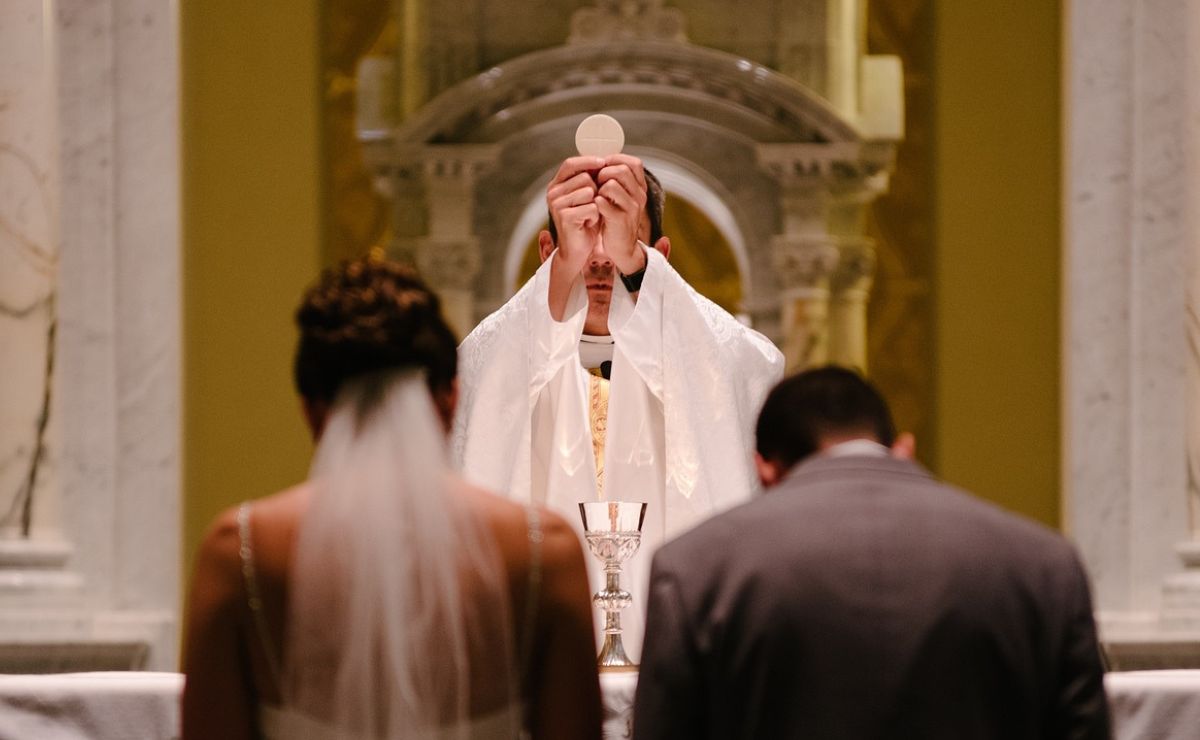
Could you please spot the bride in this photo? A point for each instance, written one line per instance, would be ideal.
(385, 598)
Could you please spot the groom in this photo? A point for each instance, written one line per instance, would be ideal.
(860, 598)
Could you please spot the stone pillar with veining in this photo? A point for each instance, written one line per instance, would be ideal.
(1130, 378)
(1181, 593)
(89, 340)
(449, 255)
(32, 547)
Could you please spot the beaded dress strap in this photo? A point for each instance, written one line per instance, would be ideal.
(536, 537)
(253, 594)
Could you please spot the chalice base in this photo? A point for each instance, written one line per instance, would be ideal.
(612, 655)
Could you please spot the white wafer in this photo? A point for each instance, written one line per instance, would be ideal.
(599, 136)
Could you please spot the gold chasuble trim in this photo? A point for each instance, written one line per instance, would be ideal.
(598, 418)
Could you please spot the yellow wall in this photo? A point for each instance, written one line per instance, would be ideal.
(996, 165)
(251, 243)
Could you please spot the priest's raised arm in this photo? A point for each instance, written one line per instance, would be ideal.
(608, 377)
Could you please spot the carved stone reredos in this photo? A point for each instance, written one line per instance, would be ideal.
(729, 92)
(775, 153)
(627, 20)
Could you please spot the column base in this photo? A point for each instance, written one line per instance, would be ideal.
(47, 624)
(73, 640)
(1152, 651)
(1167, 639)
(33, 575)
(1181, 592)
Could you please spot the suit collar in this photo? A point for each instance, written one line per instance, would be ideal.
(818, 467)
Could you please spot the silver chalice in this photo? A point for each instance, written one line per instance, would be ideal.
(613, 530)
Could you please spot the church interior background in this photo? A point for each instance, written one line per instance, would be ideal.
(979, 203)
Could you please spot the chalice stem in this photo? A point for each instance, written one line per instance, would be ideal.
(612, 652)
(612, 623)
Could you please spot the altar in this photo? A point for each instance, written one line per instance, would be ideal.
(129, 704)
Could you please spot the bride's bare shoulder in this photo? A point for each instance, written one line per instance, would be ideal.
(273, 521)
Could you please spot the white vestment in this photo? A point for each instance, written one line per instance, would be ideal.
(687, 383)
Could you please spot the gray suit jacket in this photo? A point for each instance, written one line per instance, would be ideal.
(862, 599)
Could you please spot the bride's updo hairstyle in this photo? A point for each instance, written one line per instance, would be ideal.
(367, 317)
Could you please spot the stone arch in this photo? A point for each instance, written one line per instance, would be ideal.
(769, 160)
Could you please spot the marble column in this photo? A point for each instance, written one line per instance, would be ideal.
(825, 264)
(1132, 137)
(820, 45)
(846, 34)
(449, 254)
(851, 292)
(1181, 593)
(89, 122)
(32, 548)
(803, 253)
(805, 265)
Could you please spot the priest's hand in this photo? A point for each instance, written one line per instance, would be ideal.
(621, 200)
(571, 199)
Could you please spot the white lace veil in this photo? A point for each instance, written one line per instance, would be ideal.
(399, 622)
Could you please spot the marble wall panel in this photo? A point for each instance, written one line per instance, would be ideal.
(1125, 245)
(28, 263)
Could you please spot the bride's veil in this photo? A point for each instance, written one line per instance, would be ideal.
(399, 623)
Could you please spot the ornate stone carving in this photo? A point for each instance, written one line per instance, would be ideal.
(803, 262)
(849, 160)
(448, 174)
(627, 20)
(450, 264)
(715, 84)
(856, 265)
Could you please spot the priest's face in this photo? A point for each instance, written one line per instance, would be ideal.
(598, 275)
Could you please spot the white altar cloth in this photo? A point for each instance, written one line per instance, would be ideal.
(95, 706)
(1163, 705)
(617, 690)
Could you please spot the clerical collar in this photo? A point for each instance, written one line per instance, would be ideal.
(594, 350)
(861, 447)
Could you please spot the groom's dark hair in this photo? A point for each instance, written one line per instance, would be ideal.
(818, 404)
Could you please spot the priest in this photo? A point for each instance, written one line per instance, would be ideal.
(608, 377)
